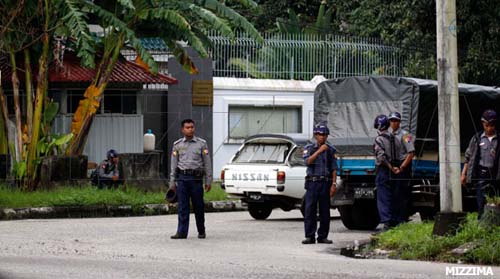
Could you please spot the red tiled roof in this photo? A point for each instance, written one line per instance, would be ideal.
(124, 72)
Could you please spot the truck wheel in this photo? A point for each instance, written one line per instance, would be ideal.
(362, 215)
(259, 211)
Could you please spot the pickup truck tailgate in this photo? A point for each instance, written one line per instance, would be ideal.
(250, 178)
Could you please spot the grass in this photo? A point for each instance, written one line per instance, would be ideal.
(493, 200)
(88, 195)
(414, 241)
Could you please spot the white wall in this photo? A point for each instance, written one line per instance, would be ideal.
(258, 92)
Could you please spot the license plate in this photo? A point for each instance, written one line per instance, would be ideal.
(255, 196)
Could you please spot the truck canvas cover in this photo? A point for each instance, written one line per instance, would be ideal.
(349, 106)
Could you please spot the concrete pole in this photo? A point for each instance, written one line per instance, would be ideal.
(449, 123)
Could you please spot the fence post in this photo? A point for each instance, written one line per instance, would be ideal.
(247, 64)
(291, 68)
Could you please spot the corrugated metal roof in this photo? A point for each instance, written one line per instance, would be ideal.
(124, 72)
(153, 44)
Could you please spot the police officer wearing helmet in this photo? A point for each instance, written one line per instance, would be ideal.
(404, 150)
(320, 185)
(107, 174)
(481, 159)
(383, 150)
(190, 165)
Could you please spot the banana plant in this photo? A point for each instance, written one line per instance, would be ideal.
(172, 20)
(53, 145)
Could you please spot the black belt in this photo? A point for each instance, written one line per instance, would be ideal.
(198, 172)
(481, 168)
(318, 178)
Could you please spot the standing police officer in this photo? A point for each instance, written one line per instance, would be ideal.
(190, 163)
(384, 154)
(481, 158)
(404, 152)
(320, 185)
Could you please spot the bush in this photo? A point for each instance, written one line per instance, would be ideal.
(414, 241)
(89, 195)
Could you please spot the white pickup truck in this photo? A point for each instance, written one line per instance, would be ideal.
(267, 172)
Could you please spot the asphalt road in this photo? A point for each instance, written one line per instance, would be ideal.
(236, 247)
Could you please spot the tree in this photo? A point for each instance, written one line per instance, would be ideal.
(172, 20)
(35, 29)
(27, 29)
(412, 25)
(269, 12)
(287, 61)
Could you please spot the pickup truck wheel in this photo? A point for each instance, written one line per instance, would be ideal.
(362, 215)
(259, 211)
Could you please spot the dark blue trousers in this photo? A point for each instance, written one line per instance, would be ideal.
(385, 197)
(402, 193)
(190, 187)
(484, 180)
(317, 193)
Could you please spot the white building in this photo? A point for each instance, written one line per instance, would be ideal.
(243, 107)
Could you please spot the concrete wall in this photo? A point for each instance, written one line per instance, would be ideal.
(242, 91)
(180, 102)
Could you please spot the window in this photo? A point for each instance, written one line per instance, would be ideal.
(114, 101)
(245, 121)
(297, 157)
(262, 153)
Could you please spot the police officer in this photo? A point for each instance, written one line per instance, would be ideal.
(384, 169)
(320, 185)
(404, 152)
(481, 159)
(190, 164)
(107, 174)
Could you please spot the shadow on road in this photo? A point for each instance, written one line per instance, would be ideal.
(296, 219)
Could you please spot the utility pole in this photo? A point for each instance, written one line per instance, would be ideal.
(449, 122)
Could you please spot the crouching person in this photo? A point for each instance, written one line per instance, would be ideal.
(107, 174)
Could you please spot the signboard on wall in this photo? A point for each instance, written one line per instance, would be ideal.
(203, 92)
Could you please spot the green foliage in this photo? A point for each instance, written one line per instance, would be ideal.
(493, 200)
(412, 25)
(323, 23)
(19, 170)
(74, 24)
(88, 195)
(282, 60)
(46, 145)
(414, 241)
(50, 112)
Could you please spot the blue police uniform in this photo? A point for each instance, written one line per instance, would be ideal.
(383, 149)
(385, 189)
(317, 184)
